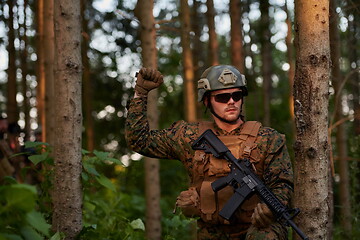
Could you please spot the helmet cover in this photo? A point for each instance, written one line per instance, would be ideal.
(220, 77)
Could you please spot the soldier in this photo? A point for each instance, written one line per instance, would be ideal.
(222, 90)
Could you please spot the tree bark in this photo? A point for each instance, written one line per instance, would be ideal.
(353, 51)
(189, 81)
(24, 72)
(344, 184)
(254, 98)
(354, 56)
(143, 12)
(40, 69)
(198, 52)
(291, 61)
(266, 60)
(213, 42)
(67, 195)
(311, 91)
(12, 109)
(88, 95)
(237, 51)
(49, 60)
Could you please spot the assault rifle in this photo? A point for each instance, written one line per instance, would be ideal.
(245, 183)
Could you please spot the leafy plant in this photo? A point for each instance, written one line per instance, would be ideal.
(19, 218)
(107, 213)
(184, 227)
(110, 210)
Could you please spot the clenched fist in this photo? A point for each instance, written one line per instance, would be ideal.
(262, 216)
(147, 79)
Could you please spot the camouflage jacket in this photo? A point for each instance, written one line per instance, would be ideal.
(175, 143)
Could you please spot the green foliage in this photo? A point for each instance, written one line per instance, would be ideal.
(39, 152)
(19, 218)
(119, 214)
(184, 227)
(107, 212)
(25, 213)
(108, 216)
(114, 210)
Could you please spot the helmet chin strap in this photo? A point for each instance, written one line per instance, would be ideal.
(223, 119)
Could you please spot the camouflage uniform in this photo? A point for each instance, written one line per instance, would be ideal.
(175, 143)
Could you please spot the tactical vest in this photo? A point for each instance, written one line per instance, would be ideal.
(206, 169)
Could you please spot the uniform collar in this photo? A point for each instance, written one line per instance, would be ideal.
(221, 132)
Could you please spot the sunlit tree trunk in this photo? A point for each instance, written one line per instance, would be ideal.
(144, 12)
(213, 42)
(341, 144)
(67, 194)
(237, 52)
(236, 33)
(291, 60)
(88, 96)
(189, 81)
(12, 109)
(40, 69)
(49, 62)
(311, 93)
(197, 50)
(266, 59)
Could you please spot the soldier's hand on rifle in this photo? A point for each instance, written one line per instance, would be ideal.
(262, 216)
(147, 79)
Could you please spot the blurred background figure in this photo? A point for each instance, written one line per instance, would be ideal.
(6, 167)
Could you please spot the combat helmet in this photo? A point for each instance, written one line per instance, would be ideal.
(220, 77)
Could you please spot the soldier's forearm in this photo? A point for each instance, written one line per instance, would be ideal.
(138, 95)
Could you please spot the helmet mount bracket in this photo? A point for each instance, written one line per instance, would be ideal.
(227, 77)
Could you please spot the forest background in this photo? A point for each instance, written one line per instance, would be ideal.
(113, 185)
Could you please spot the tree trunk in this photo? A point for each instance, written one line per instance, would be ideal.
(353, 51)
(254, 99)
(12, 110)
(266, 59)
(189, 81)
(24, 72)
(290, 56)
(197, 51)
(144, 12)
(40, 90)
(49, 60)
(213, 42)
(311, 91)
(67, 195)
(237, 52)
(344, 184)
(88, 96)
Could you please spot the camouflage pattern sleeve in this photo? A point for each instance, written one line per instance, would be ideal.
(168, 143)
(278, 173)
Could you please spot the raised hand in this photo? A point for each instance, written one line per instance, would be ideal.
(147, 79)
